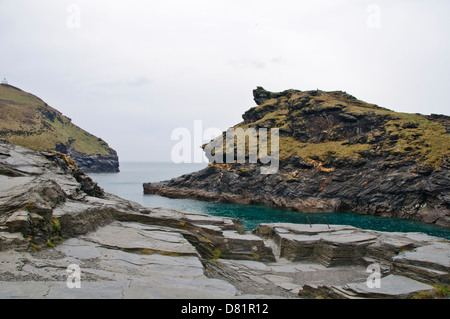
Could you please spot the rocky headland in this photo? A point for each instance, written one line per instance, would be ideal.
(28, 121)
(337, 154)
(53, 216)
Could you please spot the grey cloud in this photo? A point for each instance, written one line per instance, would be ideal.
(164, 63)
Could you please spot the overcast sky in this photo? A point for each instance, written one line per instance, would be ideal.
(131, 72)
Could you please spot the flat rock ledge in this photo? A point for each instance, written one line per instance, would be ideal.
(54, 218)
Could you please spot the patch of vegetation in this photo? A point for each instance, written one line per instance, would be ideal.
(277, 116)
(442, 291)
(217, 254)
(423, 295)
(425, 139)
(205, 239)
(439, 291)
(56, 225)
(50, 243)
(321, 151)
(147, 251)
(69, 161)
(33, 246)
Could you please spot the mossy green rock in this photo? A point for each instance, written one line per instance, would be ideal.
(332, 126)
(337, 154)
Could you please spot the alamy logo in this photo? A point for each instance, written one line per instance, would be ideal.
(235, 146)
(374, 19)
(74, 277)
(374, 279)
(74, 16)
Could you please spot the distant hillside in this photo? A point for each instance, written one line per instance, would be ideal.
(337, 154)
(28, 121)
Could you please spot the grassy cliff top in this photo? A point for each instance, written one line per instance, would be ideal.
(28, 121)
(318, 125)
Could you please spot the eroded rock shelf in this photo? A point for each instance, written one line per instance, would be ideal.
(53, 216)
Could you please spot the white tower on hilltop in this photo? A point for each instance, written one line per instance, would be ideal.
(4, 81)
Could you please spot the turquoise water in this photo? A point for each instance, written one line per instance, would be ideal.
(128, 184)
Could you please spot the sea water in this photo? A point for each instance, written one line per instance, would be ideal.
(128, 185)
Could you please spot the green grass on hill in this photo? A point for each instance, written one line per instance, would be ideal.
(28, 121)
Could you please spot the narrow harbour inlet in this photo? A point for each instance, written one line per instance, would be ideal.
(128, 184)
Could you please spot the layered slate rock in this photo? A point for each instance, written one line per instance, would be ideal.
(430, 263)
(120, 260)
(347, 245)
(342, 245)
(52, 216)
(391, 287)
(409, 263)
(337, 154)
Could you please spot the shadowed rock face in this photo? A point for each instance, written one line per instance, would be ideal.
(95, 163)
(337, 154)
(53, 215)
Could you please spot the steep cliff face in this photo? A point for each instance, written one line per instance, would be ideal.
(28, 121)
(337, 154)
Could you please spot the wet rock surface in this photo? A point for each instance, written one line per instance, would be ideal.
(49, 223)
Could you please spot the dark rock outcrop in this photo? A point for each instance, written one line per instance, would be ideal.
(337, 154)
(95, 163)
